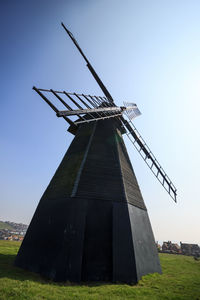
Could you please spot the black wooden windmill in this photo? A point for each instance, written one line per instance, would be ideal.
(91, 223)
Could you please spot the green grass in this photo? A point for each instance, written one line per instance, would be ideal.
(180, 280)
(4, 225)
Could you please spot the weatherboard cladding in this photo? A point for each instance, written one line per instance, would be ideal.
(61, 185)
(107, 173)
(131, 186)
(101, 177)
(96, 166)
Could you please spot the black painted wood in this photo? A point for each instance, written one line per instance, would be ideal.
(98, 231)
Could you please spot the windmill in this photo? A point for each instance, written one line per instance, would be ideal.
(91, 223)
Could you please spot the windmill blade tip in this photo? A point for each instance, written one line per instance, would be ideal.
(63, 25)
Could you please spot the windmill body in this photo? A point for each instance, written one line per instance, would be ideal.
(91, 223)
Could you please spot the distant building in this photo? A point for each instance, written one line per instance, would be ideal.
(190, 249)
(169, 247)
(14, 231)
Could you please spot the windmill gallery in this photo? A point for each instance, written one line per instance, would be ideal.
(93, 204)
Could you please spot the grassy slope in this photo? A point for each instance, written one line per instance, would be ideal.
(5, 226)
(180, 280)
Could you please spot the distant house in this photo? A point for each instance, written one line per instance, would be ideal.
(165, 246)
(190, 249)
(169, 247)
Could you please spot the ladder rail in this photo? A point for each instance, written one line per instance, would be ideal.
(151, 161)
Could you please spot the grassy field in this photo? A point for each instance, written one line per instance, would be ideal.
(180, 280)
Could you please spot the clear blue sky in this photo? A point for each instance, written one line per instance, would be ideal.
(146, 52)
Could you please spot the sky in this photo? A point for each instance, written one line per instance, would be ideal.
(147, 52)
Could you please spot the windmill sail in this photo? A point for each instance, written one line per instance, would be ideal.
(96, 77)
(147, 155)
(90, 108)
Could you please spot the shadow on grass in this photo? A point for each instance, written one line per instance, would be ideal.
(9, 270)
